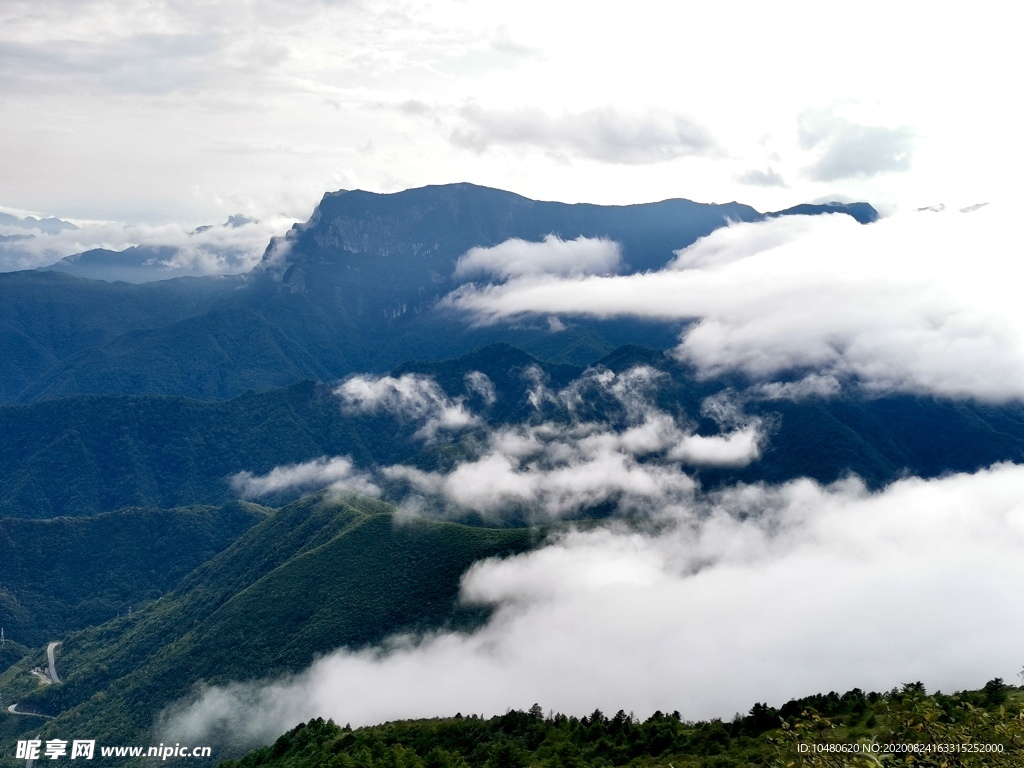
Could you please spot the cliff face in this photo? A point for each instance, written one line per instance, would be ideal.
(409, 242)
(424, 231)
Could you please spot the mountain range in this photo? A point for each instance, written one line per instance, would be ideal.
(134, 414)
(353, 289)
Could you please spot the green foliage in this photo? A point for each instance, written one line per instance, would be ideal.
(519, 739)
(911, 728)
(322, 573)
(68, 573)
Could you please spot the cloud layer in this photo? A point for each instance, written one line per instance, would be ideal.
(606, 134)
(519, 258)
(337, 473)
(414, 397)
(753, 594)
(911, 303)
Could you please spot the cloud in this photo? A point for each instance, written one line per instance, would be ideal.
(518, 258)
(733, 450)
(808, 387)
(479, 384)
(758, 178)
(232, 248)
(414, 397)
(601, 440)
(551, 471)
(849, 150)
(337, 473)
(907, 304)
(758, 593)
(605, 134)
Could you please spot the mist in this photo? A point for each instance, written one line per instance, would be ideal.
(755, 593)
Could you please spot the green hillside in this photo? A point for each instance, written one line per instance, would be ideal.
(48, 317)
(320, 574)
(67, 573)
(802, 734)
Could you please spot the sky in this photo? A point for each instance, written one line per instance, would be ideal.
(178, 112)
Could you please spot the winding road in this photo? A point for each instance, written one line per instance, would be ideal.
(49, 657)
(53, 678)
(13, 709)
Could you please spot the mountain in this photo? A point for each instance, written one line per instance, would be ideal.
(137, 264)
(50, 225)
(83, 455)
(321, 573)
(862, 212)
(49, 319)
(19, 238)
(66, 573)
(353, 289)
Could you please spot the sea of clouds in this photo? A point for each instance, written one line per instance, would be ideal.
(707, 601)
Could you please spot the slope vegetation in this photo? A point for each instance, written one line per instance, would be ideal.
(66, 573)
(321, 573)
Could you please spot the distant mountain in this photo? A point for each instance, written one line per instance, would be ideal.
(353, 289)
(149, 263)
(138, 264)
(862, 212)
(50, 225)
(18, 238)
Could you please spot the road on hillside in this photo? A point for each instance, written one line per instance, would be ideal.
(13, 709)
(49, 657)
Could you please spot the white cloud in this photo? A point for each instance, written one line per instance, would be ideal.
(630, 457)
(754, 594)
(569, 471)
(479, 384)
(736, 449)
(805, 388)
(599, 440)
(910, 303)
(337, 473)
(411, 396)
(758, 178)
(554, 256)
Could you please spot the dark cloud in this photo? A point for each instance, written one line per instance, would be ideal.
(766, 178)
(606, 134)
